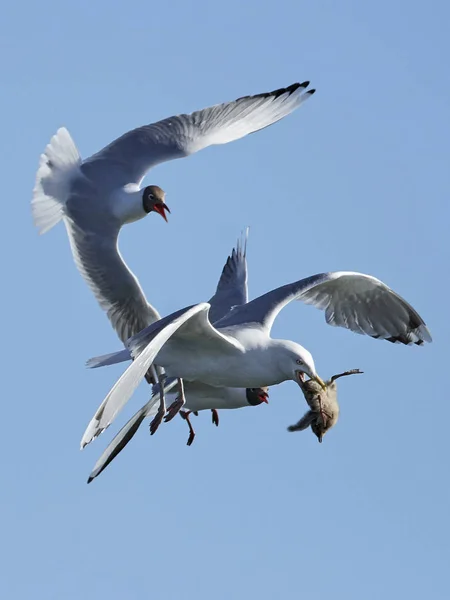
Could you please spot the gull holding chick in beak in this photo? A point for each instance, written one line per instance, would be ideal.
(323, 404)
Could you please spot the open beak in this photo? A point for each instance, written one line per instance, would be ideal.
(300, 379)
(263, 396)
(160, 209)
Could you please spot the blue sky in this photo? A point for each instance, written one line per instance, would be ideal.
(357, 179)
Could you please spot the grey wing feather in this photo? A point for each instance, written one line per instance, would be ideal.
(117, 290)
(354, 301)
(129, 157)
(232, 287)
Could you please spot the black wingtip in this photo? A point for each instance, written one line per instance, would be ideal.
(311, 92)
(290, 89)
(90, 479)
(402, 338)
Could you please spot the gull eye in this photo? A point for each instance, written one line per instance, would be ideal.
(299, 362)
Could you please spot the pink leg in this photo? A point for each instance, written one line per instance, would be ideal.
(185, 415)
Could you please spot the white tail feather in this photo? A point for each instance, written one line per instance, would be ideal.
(57, 167)
(108, 359)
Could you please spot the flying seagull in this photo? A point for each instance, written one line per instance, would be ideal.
(237, 351)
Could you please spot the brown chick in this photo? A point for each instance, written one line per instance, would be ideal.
(324, 407)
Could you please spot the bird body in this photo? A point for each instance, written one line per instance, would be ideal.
(200, 396)
(259, 361)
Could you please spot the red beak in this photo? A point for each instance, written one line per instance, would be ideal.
(160, 209)
(263, 396)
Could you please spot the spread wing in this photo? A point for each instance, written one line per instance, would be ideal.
(355, 301)
(232, 287)
(128, 158)
(115, 287)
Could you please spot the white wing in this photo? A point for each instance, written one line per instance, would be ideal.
(355, 301)
(115, 287)
(128, 158)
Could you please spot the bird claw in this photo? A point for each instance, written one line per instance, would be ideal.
(322, 412)
(215, 417)
(157, 420)
(173, 410)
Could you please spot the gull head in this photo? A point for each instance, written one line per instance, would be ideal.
(256, 396)
(153, 201)
(299, 362)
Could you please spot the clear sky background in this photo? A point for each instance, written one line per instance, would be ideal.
(357, 179)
